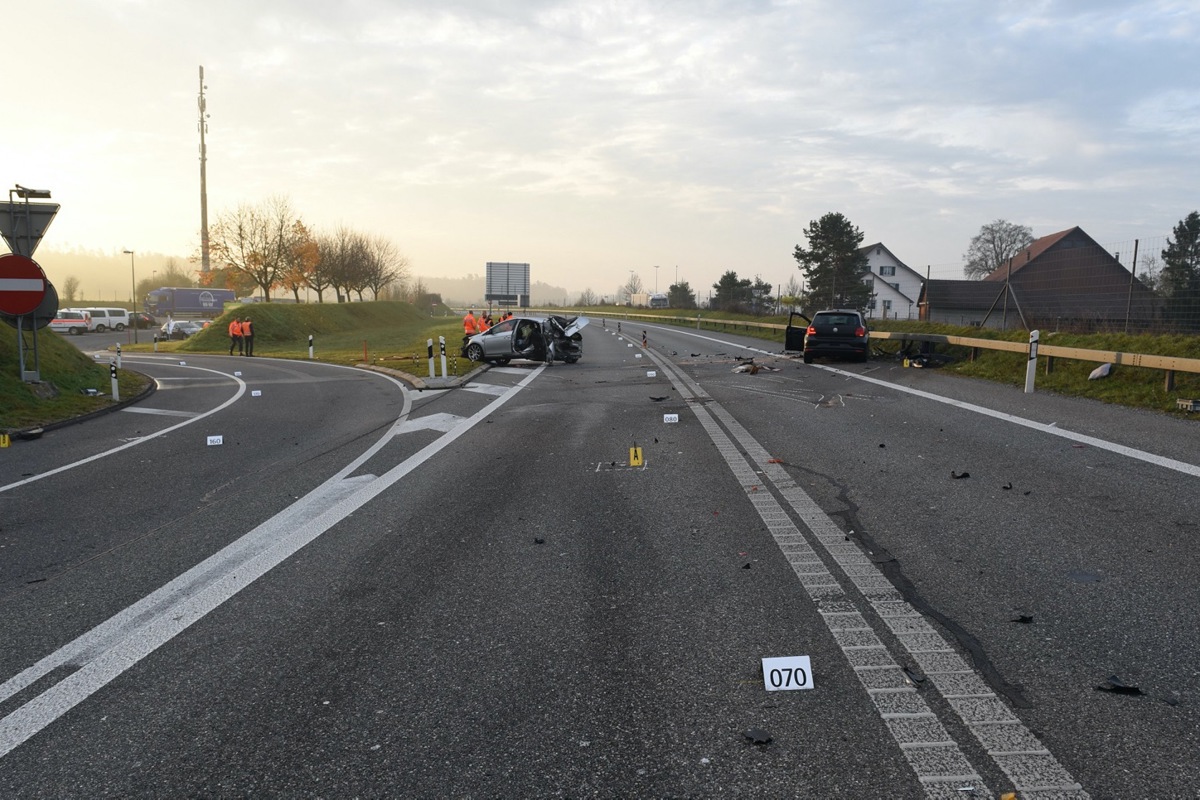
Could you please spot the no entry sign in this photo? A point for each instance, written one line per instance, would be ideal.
(22, 284)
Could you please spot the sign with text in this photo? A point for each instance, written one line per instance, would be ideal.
(787, 673)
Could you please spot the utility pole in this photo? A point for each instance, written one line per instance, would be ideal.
(203, 125)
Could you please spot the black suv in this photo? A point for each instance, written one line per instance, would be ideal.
(840, 333)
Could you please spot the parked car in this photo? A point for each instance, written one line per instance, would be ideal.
(544, 339)
(87, 315)
(837, 333)
(179, 329)
(143, 320)
(72, 322)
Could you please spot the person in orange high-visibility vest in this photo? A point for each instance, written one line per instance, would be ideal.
(235, 336)
(248, 336)
(470, 326)
(483, 323)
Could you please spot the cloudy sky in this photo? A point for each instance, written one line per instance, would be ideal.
(595, 137)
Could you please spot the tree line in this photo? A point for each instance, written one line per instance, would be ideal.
(268, 247)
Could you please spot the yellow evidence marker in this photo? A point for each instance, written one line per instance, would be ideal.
(635, 456)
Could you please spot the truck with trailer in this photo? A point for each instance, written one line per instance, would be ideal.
(174, 301)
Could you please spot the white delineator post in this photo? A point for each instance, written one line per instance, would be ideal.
(310, 346)
(116, 390)
(429, 349)
(118, 355)
(1031, 368)
(442, 347)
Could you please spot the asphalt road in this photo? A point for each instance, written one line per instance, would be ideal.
(365, 590)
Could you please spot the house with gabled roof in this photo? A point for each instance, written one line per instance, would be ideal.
(895, 287)
(1062, 281)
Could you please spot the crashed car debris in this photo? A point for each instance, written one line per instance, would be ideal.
(545, 339)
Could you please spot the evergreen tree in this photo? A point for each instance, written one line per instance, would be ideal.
(833, 265)
(1180, 276)
(680, 295)
(731, 293)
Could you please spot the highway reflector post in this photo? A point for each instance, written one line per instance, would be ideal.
(112, 372)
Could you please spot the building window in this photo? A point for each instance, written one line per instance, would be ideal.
(887, 305)
(887, 270)
(895, 286)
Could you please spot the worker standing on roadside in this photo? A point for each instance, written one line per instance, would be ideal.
(235, 336)
(248, 336)
(470, 327)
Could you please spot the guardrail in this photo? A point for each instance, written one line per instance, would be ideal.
(1168, 364)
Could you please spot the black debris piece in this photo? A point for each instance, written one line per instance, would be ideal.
(659, 399)
(537, 540)
(914, 675)
(958, 476)
(1118, 686)
(757, 736)
(746, 566)
(883, 445)
(1008, 486)
(1171, 699)
(695, 355)
(1023, 619)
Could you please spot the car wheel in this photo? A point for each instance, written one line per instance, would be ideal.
(502, 361)
(119, 327)
(570, 360)
(807, 358)
(76, 331)
(474, 352)
(862, 359)
(99, 329)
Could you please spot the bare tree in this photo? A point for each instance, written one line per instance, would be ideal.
(70, 288)
(630, 288)
(385, 265)
(994, 245)
(587, 298)
(255, 240)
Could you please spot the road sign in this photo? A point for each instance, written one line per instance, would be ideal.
(22, 284)
(42, 316)
(23, 224)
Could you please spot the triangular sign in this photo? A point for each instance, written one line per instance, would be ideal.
(23, 224)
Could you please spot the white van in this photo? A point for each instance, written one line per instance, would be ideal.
(87, 316)
(105, 319)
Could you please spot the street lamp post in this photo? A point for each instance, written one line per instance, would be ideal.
(133, 295)
(656, 278)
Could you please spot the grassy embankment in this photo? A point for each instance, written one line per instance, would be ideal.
(394, 334)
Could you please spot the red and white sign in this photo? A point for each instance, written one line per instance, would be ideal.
(22, 285)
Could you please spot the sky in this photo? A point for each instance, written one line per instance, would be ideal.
(596, 139)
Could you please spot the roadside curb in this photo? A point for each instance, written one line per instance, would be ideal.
(421, 384)
(28, 434)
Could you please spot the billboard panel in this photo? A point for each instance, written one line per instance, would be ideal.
(507, 283)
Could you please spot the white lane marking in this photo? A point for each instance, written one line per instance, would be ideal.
(509, 371)
(122, 641)
(1100, 444)
(432, 422)
(883, 680)
(241, 389)
(134, 442)
(1033, 769)
(485, 388)
(161, 411)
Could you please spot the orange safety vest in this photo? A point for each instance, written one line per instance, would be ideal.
(469, 325)
(235, 328)
(247, 330)
(483, 326)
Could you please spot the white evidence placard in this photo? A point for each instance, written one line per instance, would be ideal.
(212, 440)
(256, 392)
(787, 673)
(670, 418)
(651, 373)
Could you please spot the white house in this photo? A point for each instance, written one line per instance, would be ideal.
(895, 287)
